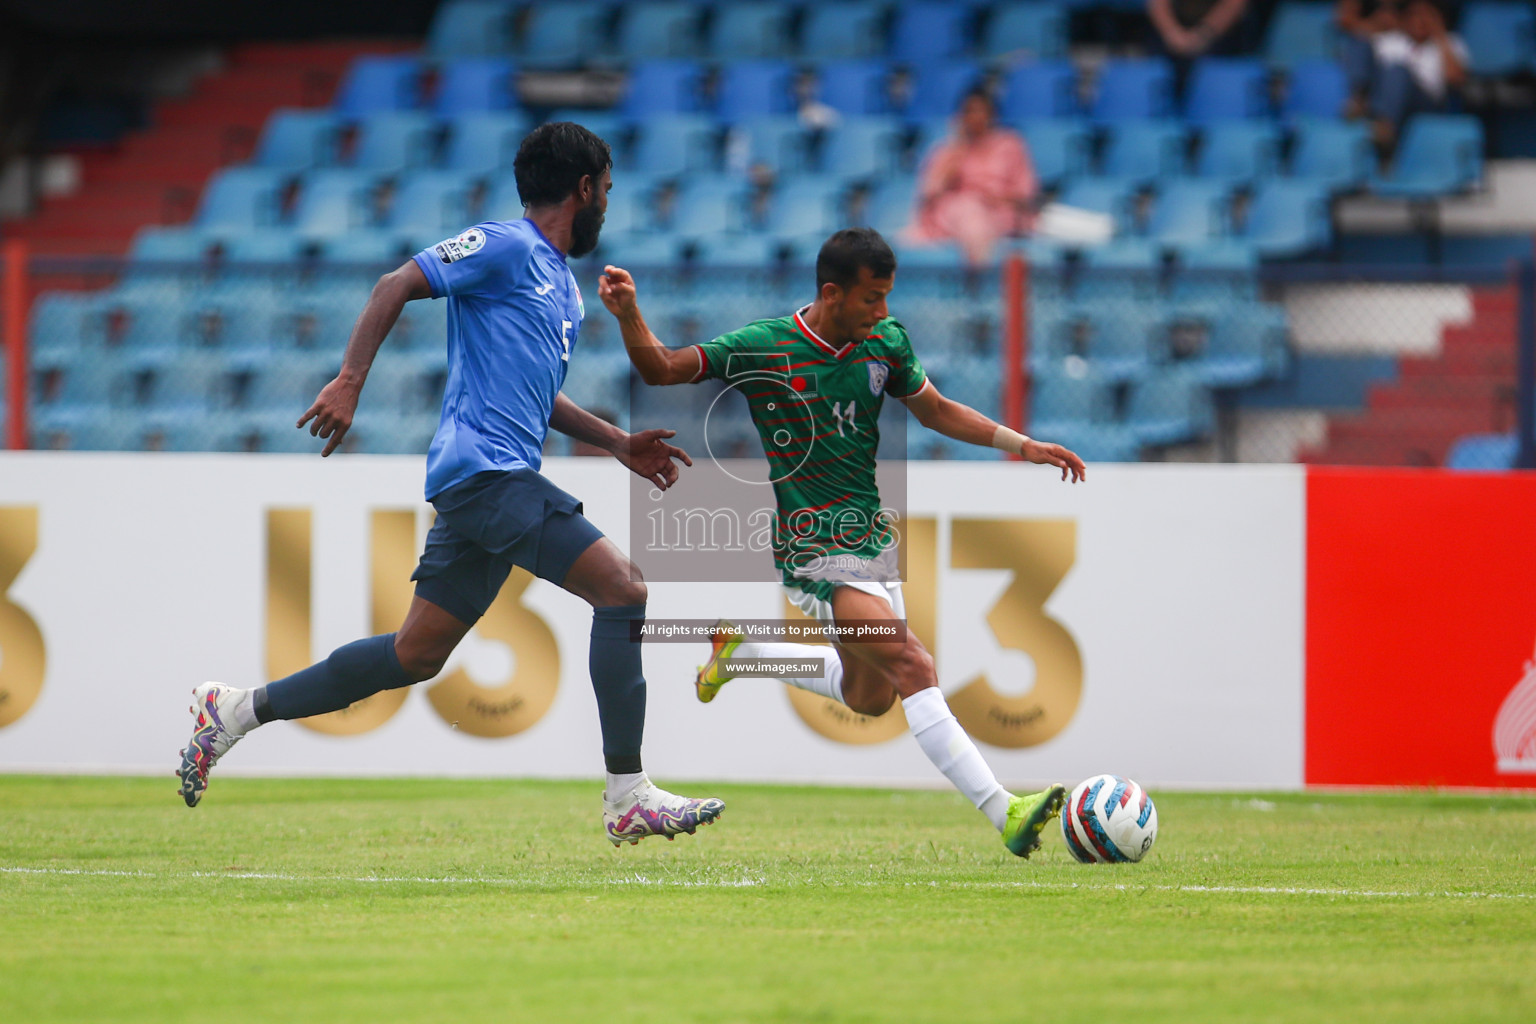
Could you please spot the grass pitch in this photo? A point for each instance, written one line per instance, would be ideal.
(434, 901)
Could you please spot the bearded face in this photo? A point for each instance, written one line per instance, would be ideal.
(585, 227)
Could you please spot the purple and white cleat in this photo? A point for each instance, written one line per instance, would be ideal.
(649, 811)
(212, 736)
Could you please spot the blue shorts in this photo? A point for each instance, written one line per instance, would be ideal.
(488, 524)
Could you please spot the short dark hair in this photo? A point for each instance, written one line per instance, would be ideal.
(553, 158)
(844, 253)
(978, 91)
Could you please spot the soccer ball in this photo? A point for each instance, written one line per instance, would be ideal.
(1108, 819)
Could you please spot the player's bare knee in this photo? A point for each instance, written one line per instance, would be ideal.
(871, 700)
(420, 662)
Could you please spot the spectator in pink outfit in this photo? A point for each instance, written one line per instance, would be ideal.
(977, 185)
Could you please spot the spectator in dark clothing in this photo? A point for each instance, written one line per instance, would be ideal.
(1191, 29)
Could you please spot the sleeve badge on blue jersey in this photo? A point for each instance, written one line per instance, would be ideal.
(467, 244)
(878, 374)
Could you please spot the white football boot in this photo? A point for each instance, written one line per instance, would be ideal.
(648, 810)
(214, 733)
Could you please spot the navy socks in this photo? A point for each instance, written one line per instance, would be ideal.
(360, 669)
(619, 682)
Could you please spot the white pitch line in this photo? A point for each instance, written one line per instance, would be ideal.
(739, 883)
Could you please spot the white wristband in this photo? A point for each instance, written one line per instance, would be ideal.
(1010, 441)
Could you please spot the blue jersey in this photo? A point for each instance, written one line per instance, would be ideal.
(513, 314)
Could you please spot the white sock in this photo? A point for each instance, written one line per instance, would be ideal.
(936, 730)
(242, 713)
(620, 788)
(829, 683)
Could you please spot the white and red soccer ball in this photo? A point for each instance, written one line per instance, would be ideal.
(1109, 819)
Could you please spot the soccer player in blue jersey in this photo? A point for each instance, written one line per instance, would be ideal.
(514, 313)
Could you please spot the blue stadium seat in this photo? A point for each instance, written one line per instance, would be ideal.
(391, 142)
(806, 209)
(379, 83)
(662, 87)
(334, 201)
(1034, 30)
(1039, 90)
(1143, 151)
(890, 205)
(659, 28)
(1059, 401)
(1484, 451)
(484, 143)
(925, 31)
(854, 88)
(561, 35)
(843, 28)
(861, 148)
(750, 31)
(1124, 272)
(1440, 154)
(1316, 88)
(276, 247)
(430, 203)
(1170, 407)
(1124, 342)
(1212, 274)
(672, 145)
(296, 140)
(755, 88)
(1243, 346)
(636, 250)
(1226, 88)
(1337, 155)
(1058, 149)
(709, 204)
(1287, 218)
(1133, 90)
(169, 245)
(1112, 196)
(1239, 152)
(779, 142)
(474, 84)
(1188, 211)
(239, 199)
(471, 28)
(938, 86)
(1300, 32)
(371, 248)
(609, 125)
(755, 252)
(1500, 37)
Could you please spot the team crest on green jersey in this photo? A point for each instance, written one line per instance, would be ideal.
(878, 374)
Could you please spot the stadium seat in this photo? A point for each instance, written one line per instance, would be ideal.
(392, 142)
(938, 86)
(805, 209)
(659, 28)
(430, 203)
(1058, 401)
(754, 30)
(861, 148)
(1316, 88)
(756, 252)
(780, 143)
(854, 88)
(641, 250)
(1226, 89)
(1440, 154)
(609, 125)
(371, 248)
(379, 83)
(471, 28)
(709, 204)
(1337, 155)
(169, 245)
(1142, 151)
(1484, 451)
(843, 28)
(561, 35)
(474, 84)
(1239, 153)
(890, 205)
(1058, 149)
(1170, 407)
(1123, 271)
(755, 88)
(662, 87)
(1300, 32)
(1287, 218)
(296, 140)
(1133, 89)
(671, 145)
(1243, 346)
(1500, 37)
(239, 199)
(1111, 196)
(1210, 276)
(334, 201)
(1188, 211)
(484, 143)
(276, 247)
(1041, 90)
(925, 31)
(1034, 30)
(1125, 341)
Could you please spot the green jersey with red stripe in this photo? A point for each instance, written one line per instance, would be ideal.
(816, 409)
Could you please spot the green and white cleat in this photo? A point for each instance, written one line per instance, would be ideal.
(711, 676)
(1028, 816)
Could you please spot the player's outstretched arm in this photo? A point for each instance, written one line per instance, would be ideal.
(655, 363)
(646, 453)
(961, 422)
(331, 415)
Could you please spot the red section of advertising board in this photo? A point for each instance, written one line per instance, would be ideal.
(1421, 628)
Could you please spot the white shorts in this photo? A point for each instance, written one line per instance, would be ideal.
(821, 611)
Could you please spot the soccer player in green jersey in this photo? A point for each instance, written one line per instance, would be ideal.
(832, 543)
